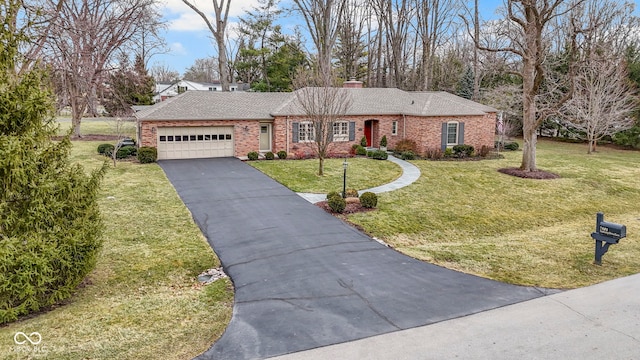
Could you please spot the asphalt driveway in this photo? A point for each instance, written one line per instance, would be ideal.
(303, 278)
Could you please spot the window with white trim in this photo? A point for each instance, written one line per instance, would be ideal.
(341, 131)
(452, 133)
(394, 128)
(306, 133)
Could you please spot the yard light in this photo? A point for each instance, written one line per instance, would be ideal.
(344, 179)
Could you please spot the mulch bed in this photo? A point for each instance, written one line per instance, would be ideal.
(539, 174)
(353, 206)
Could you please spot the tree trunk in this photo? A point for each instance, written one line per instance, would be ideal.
(320, 166)
(222, 63)
(529, 123)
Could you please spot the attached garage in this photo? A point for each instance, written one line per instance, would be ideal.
(195, 142)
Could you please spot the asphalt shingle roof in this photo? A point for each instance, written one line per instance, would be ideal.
(206, 105)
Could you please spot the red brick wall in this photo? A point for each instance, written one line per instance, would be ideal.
(246, 133)
(426, 131)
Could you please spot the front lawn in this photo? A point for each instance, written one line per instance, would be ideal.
(302, 175)
(469, 217)
(142, 300)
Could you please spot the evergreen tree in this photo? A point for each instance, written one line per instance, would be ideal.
(129, 86)
(49, 219)
(465, 85)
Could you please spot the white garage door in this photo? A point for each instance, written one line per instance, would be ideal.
(195, 142)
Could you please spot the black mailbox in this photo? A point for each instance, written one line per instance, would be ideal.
(607, 233)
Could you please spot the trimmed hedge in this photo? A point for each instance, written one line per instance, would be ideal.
(369, 200)
(380, 155)
(126, 151)
(253, 155)
(337, 204)
(282, 154)
(269, 156)
(147, 155)
(105, 149)
(360, 150)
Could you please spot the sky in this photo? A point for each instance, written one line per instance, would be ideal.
(188, 38)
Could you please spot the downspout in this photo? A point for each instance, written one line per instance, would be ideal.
(287, 126)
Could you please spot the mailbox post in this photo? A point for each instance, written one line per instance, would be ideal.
(606, 233)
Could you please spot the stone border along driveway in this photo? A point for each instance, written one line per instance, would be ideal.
(410, 174)
(303, 278)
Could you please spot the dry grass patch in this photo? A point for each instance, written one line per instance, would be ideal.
(142, 301)
(468, 216)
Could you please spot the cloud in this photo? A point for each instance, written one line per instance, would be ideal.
(183, 18)
(178, 49)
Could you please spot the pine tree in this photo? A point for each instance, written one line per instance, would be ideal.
(465, 85)
(49, 219)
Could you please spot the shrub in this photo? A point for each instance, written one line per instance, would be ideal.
(363, 141)
(269, 156)
(383, 141)
(513, 146)
(628, 138)
(370, 153)
(434, 154)
(484, 151)
(380, 155)
(126, 151)
(448, 152)
(369, 200)
(351, 193)
(282, 154)
(333, 194)
(337, 204)
(253, 155)
(105, 148)
(406, 145)
(147, 155)
(354, 147)
(462, 151)
(361, 151)
(408, 155)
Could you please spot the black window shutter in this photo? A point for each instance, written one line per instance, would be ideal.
(461, 133)
(352, 131)
(295, 131)
(444, 136)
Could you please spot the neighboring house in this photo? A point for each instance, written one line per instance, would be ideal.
(201, 124)
(165, 91)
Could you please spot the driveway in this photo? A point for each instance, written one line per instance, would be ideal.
(303, 278)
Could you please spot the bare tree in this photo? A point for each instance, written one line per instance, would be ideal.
(323, 19)
(83, 39)
(603, 100)
(323, 107)
(120, 128)
(202, 70)
(162, 73)
(218, 28)
(526, 27)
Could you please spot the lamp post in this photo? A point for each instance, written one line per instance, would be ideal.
(344, 179)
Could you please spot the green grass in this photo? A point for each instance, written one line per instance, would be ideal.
(97, 126)
(142, 300)
(469, 217)
(301, 175)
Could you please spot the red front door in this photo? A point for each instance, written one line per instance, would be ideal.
(367, 131)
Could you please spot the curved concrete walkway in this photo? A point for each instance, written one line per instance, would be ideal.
(410, 174)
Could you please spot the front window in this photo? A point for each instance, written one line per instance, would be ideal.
(341, 131)
(452, 133)
(306, 132)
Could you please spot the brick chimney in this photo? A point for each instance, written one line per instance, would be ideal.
(352, 84)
